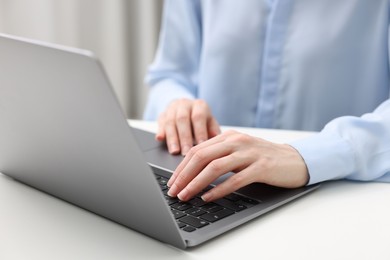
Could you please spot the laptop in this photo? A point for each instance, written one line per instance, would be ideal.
(64, 133)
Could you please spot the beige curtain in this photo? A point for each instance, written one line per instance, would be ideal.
(122, 33)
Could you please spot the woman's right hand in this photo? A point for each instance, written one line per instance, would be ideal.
(184, 123)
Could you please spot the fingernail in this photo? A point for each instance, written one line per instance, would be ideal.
(183, 195)
(172, 192)
(206, 197)
(173, 148)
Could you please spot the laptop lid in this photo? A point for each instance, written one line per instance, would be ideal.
(63, 132)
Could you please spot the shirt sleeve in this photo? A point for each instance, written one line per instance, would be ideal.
(174, 72)
(355, 148)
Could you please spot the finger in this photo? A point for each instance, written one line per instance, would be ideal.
(195, 165)
(200, 131)
(160, 135)
(210, 173)
(213, 127)
(189, 155)
(171, 132)
(199, 115)
(184, 128)
(232, 184)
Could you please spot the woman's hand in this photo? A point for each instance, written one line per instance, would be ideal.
(252, 159)
(184, 123)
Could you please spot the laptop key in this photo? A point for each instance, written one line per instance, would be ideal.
(178, 214)
(171, 200)
(162, 181)
(215, 216)
(230, 205)
(181, 206)
(196, 202)
(180, 224)
(248, 202)
(195, 212)
(233, 197)
(211, 207)
(189, 229)
(194, 222)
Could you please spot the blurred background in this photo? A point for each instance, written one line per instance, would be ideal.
(122, 33)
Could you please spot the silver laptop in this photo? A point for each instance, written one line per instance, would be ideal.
(63, 132)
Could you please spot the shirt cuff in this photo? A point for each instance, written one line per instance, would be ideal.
(327, 156)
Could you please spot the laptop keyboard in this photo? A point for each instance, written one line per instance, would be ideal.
(195, 213)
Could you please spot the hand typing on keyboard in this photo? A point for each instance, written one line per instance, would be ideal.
(252, 159)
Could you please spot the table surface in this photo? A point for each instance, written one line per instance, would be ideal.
(340, 220)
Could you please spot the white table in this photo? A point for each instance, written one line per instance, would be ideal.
(340, 220)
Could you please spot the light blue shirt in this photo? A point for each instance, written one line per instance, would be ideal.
(289, 64)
